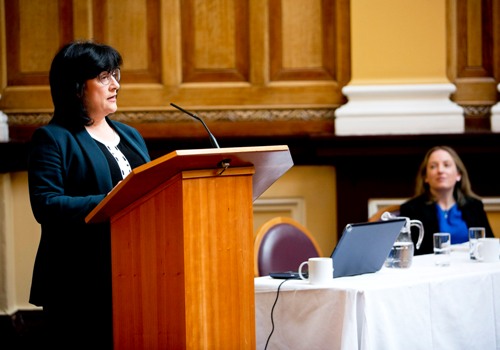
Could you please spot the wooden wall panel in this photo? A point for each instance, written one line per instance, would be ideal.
(215, 40)
(32, 40)
(472, 45)
(304, 40)
(210, 55)
(132, 27)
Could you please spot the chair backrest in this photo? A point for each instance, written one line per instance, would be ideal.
(281, 244)
(393, 209)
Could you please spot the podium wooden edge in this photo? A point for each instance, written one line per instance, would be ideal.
(112, 203)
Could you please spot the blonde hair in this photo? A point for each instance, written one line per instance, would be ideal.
(462, 187)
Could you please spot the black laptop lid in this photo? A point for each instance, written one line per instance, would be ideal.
(363, 247)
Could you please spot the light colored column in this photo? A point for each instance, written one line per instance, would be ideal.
(4, 127)
(495, 115)
(7, 278)
(399, 83)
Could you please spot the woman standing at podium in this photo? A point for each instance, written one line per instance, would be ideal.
(75, 161)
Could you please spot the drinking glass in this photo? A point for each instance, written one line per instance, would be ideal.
(475, 233)
(442, 249)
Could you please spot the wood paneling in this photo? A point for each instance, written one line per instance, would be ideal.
(472, 66)
(306, 40)
(132, 27)
(211, 54)
(32, 39)
(215, 41)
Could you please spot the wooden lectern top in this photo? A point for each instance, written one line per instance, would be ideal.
(270, 163)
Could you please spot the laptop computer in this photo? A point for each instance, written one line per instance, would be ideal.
(362, 248)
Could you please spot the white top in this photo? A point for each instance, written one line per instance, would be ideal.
(112, 147)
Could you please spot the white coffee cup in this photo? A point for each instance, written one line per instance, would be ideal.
(320, 270)
(487, 249)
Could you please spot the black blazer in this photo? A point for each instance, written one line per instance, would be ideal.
(419, 208)
(68, 176)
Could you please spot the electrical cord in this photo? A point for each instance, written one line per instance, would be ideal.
(272, 310)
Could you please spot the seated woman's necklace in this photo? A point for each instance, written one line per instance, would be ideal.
(447, 210)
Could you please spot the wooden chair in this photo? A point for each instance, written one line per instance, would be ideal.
(393, 209)
(281, 244)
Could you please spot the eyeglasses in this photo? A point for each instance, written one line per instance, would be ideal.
(105, 77)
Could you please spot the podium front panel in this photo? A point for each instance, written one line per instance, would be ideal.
(183, 265)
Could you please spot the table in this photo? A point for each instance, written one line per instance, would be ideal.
(422, 307)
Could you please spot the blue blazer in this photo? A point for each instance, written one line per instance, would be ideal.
(68, 176)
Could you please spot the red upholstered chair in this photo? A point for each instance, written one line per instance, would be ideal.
(281, 244)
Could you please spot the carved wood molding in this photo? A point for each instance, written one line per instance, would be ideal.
(223, 123)
(140, 117)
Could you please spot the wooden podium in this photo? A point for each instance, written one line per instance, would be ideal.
(182, 247)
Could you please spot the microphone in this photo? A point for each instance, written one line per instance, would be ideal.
(213, 141)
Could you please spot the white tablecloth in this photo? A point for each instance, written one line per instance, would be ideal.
(423, 307)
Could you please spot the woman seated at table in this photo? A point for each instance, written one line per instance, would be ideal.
(444, 200)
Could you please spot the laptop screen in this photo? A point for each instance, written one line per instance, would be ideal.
(363, 247)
